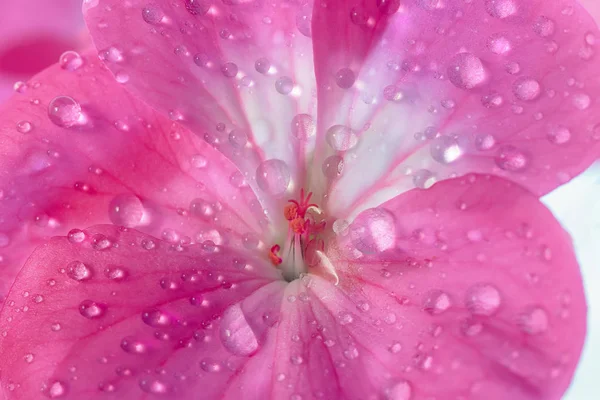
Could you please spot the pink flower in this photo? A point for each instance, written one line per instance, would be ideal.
(258, 233)
(31, 41)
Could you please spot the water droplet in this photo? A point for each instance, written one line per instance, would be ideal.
(210, 365)
(333, 166)
(284, 85)
(543, 26)
(533, 321)
(559, 134)
(485, 142)
(262, 65)
(4, 240)
(133, 346)
(345, 78)
(153, 386)
(273, 177)
(436, 302)
(341, 138)
(373, 231)
(351, 353)
(303, 126)
(236, 334)
(501, 8)
(400, 391)
(238, 138)
(28, 358)
(64, 111)
(509, 158)
(527, 89)
(445, 149)
(423, 179)
(115, 273)
(70, 61)
(126, 210)
(483, 299)
(393, 93)
(466, 71)
(152, 14)
(296, 360)
(388, 7)
(78, 271)
(91, 309)
(202, 209)
(229, 69)
(197, 7)
(304, 22)
(156, 318)
(198, 161)
(24, 126)
(57, 389)
(101, 242)
(499, 44)
(581, 101)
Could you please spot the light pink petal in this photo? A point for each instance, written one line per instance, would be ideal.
(447, 87)
(103, 157)
(131, 323)
(31, 41)
(467, 290)
(235, 72)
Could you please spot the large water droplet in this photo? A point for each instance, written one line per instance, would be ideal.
(399, 391)
(436, 302)
(70, 61)
(126, 209)
(501, 8)
(544, 26)
(152, 14)
(509, 158)
(64, 111)
(284, 85)
(341, 138)
(534, 321)
(262, 65)
(78, 271)
(445, 149)
(202, 209)
(333, 166)
(303, 126)
(156, 318)
(197, 7)
(345, 78)
(57, 390)
(273, 176)
(91, 309)
(236, 334)
(559, 134)
(373, 231)
(466, 71)
(238, 138)
(24, 126)
(527, 89)
(229, 69)
(132, 346)
(304, 22)
(483, 299)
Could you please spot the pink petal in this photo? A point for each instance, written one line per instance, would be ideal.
(471, 284)
(447, 87)
(141, 322)
(237, 73)
(31, 41)
(119, 162)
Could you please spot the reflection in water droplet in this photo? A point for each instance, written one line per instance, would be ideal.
(445, 149)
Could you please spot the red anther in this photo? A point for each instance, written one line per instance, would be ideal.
(290, 211)
(275, 259)
(301, 206)
(298, 225)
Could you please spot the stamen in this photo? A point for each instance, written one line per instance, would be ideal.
(275, 259)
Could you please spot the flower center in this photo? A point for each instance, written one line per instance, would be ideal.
(304, 244)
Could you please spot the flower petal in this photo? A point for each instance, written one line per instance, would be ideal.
(78, 150)
(447, 87)
(472, 284)
(141, 322)
(235, 72)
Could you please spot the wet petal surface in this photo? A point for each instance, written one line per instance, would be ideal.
(78, 150)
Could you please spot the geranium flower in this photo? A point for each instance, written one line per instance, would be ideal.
(32, 41)
(256, 230)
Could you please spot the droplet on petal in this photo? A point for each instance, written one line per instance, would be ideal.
(70, 61)
(152, 14)
(501, 8)
(284, 85)
(78, 271)
(345, 78)
(236, 334)
(373, 231)
(273, 176)
(341, 138)
(333, 166)
(534, 321)
(559, 134)
(229, 69)
(126, 210)
(445, 149)
(303, 126)
(483, 299)
(388, 7)
(57, 390)
(197, 7)
(399, 391)
(64, 111)
(91, 309)
(24, 126)
(466, 71)
(509, 158)
(262, 65)
(436, 302)
(526, 89)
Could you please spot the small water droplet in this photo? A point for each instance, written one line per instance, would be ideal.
(499, 44)
(236, 334)
(133, 346)
(273, 177)
(199, 161)
(296, 360)
(345, 318)
(101, 242)
(210, 365)
(399, 391)
(91, 309)
(156, 318)
(333, 166)
(115, 273)
(229, 69)
(284, 85)
(126, 210)
(345, 78)
(466, 71)
(423, 179)
(304, 22)
(262, 65)
(388, 7)
(78, 271)
(64, 111)
(152, 14)
(445, 149)
(501, 8)
(559, 134)
(153, 386)
(197, 7)
(526, 89)
(436, 302)
(534, 321)
(70, 61)
(341, 138)
(303, 127)
(57, 390)
(483, 299)
(509, 158)
(543, 26)
(238, 138)
(24, 126)
(28, 358)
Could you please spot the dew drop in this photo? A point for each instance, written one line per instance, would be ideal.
(198, 161)
(91, 309)
(126, 210)
(133, 346)
(238, 138)
(345, 78)
(101, 242)
(273, 177)
(499, 44)
(388, 7)
(152, 14)
(423, 179)
(333, 166)
(229, 69)
(304, 22)
(57, 390)
(445, 149)
(78, 271)
(115, 273)
(373, 231)
(210, 365)
(393, 93)
(197, 7)
(303, 127)
(436, 302)
(483, 299)
(559, 134)
(581, 101)
(262, 65)
(284, 85)
(509, 158)
(28, 358)
(70, 61)
(526, 89)
(341, 138)
(544, 26)
(533, 321)
(236, 334)
(501, 8)
(400, 391)
(153, 386)
(484, 142)
(64, 111)
(466, 71)
(202, 209)
(156, 318)
(24, 127)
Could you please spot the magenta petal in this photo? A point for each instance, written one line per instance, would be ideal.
(471, 284)
(142, 322)
(100, 156)
(235, 72)
(448, 87)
